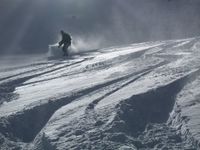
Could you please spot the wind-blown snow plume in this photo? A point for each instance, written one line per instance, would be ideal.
(53, 51)
(85, 44)
(79, 45)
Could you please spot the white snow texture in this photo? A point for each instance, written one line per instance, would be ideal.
(140, 96)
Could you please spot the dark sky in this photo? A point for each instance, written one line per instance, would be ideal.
(29, 26)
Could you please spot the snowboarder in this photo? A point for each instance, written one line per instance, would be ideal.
(66, 42)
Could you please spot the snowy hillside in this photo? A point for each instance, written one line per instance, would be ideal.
(140, 96)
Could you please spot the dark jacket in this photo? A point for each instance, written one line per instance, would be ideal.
(66, 39)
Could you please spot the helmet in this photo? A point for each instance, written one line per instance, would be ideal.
(61, 31)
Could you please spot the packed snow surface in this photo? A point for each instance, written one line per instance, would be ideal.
(139, 96)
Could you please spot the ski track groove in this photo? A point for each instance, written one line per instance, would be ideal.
(26, 130)
(171, 87)
(25, 66)
(62, 102)
(26, 72)
(146, 101)
(52, 106)
(140, 73)
(17, 82)
(38, 69)
(99, 65)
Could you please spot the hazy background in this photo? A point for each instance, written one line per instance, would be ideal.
(29, 26)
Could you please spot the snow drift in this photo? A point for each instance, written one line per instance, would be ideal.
(139, 96)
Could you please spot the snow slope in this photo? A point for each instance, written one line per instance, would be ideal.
(139, 96)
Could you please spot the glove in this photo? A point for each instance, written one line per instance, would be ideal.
(59, 44)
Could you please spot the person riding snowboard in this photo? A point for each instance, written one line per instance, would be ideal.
(66, 42)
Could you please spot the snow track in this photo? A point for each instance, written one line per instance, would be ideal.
(118, 98)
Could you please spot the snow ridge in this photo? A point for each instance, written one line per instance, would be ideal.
(139, 96)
